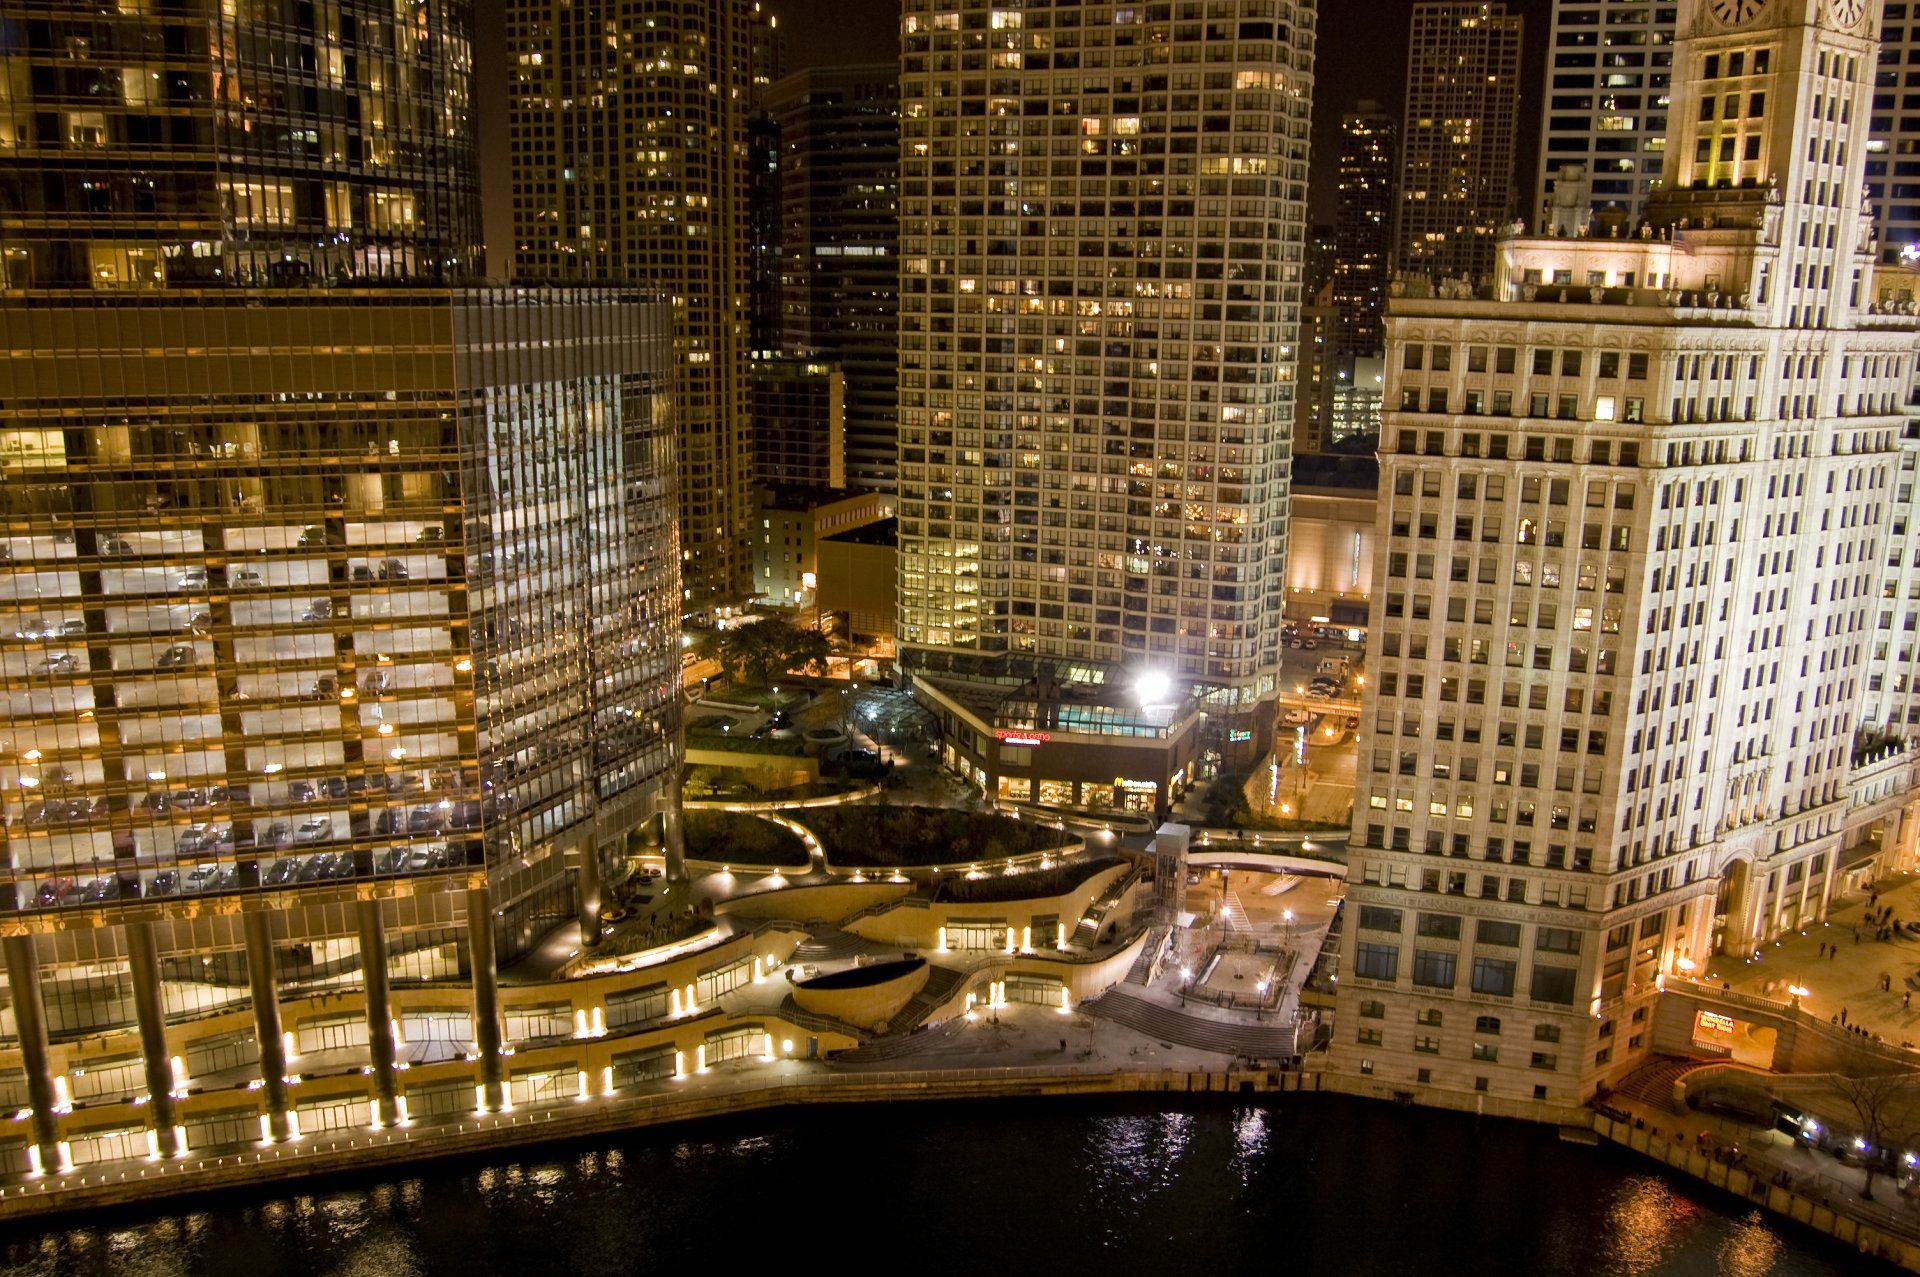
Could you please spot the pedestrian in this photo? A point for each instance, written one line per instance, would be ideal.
(1833, 951)
(1823, 949)
(1886, 982)
(1843, 1017)
(1906, 1000)
(1873, 899)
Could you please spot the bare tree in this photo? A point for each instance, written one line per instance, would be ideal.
(1880, 1092)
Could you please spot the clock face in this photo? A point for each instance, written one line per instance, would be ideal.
(1846, 13)
(1733, 13)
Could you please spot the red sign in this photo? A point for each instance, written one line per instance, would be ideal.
(1013, 737)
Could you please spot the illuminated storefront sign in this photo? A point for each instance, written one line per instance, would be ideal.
(1710, 1028)
(1014, 737)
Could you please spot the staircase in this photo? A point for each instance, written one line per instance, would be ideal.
(1236, 913)
(1172, 1025)
(940, 985)
(1653, 1085)
(1143, 964)
(894, 1046)
(837, 946)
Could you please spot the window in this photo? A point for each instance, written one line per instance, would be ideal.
(1378, 961)
(1486, 1051)
(1556, 940)
(1373, 1010)
(1546, 1033)
(1433, 969)
(1494, 977)
(1553, 984)
(1544, 1060)
(1426, 1044)
(1504, 934)
(1429, 1016)
(1369, 1037)
(1377, 918)
(1440, 926)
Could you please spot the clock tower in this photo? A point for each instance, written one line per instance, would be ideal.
(1768, 128)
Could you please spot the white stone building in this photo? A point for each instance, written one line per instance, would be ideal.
(1635, 500)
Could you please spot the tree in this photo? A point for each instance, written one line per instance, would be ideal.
(764, 649)
(1879, 1091)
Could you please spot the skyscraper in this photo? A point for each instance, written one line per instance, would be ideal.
(1102, 221)
(1608, 73)
(837, 244)
(1363, 230)
(1633, 507)
(632, 164)
(333, 612)
(1457, 143)
(1893, 147)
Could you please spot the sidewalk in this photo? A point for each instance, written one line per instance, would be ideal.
(1841, 965)
(1770, 1155)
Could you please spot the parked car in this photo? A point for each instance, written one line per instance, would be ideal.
(1297, 717)
(175, 658)
(313, 537)
(282, 871)
(192, 838)
(316, 868)
(60, 663)
(165, 883)
(191, 579)
(302, 791)
(279, 834)
(115, 545)
(377, 682)
(200, 878)
(98, 890)
(393, 570)
(324, 688)
(318, 610)
(423, 820)
(245, 579)
(54, 891)
(314, 829)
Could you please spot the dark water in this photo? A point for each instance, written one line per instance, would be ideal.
(1312, 1185)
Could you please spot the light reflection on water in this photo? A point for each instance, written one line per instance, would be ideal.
(1334, 1187)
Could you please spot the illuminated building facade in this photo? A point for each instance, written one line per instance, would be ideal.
(1103, 213)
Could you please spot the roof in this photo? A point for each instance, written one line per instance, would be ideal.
(880, 532)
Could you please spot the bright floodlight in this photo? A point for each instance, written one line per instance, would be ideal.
(1153, 686)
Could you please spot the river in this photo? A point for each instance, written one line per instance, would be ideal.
(1301, 1185)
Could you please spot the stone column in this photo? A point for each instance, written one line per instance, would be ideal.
(373, 970)
(143, 958)
(30, 1025)
(486, 998)
(265, 985)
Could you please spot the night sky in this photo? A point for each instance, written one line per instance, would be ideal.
(1362, 54)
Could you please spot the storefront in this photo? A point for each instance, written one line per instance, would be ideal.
(1081, 748)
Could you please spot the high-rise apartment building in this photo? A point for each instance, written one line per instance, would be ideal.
(1608, 77)
(632, 160)
(1634, 502)
(1893, 147)
(837, 243)
(1102, 218)
(336, 620)
(1363, 229)
(1458, 136)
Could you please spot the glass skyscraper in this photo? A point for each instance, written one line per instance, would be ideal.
(338, 590)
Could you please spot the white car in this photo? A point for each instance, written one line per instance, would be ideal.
(314, 829)
(245, 579)
(1297, 717)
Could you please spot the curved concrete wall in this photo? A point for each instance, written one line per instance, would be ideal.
(870, 1006)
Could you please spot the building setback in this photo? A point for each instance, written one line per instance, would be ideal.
(631, 150)
(1102, 221)
(1462, 115)
(1634, 498)
(337, 595)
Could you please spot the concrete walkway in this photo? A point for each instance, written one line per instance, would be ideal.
(1841, 966)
